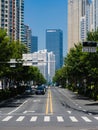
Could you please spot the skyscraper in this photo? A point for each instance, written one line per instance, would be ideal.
(45, 61)
(95, 14)
(12, 18)
(27, 37)
(74, 15)
(85, 19)
(54, 43)
(34, 44)
(82, 17)
(21, 20)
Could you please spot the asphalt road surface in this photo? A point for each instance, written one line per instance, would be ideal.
(55, 110)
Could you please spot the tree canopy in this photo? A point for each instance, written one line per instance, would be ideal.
(80, 70)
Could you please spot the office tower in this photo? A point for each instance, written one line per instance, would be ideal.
(95, 14)
(51, 66)
(27, 37)
(74, 15)
(12, 18)
(42, 59)
(54, 43)
(21, 20)
(34, 44)
(85, 20)
(4, 15)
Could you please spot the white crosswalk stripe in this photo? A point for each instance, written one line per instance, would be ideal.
(73, 119)
(34, 119)
(20, 118)
(46, 118)
(60, 119)
(86, 119)
(96, 118)
(7, 118)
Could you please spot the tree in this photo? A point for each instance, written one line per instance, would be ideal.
(93, 35)
(8, 50)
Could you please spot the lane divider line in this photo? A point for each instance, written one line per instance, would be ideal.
(49, 106)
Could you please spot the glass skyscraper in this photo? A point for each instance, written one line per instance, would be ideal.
(54, 43)
(34, 44)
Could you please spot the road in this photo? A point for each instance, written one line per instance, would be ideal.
(55, 110)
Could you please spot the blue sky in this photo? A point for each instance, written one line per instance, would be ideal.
(46, 14)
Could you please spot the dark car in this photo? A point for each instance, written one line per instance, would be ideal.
(40, 90)
(30, 90)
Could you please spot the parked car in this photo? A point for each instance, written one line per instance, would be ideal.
(40, 90)
(30, 90)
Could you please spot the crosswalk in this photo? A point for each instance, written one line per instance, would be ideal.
(49, 118)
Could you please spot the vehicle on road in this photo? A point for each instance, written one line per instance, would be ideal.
(30, 90)
(40, 90)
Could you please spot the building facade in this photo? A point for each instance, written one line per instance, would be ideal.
(85, 20)
(94, 14)
(54, 43)
(51, 66)
(82, 17)
(74, 15)
(27, 37)
(42, 59)
(12, 18)
(34, 44)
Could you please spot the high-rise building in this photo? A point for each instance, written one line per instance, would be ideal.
(42, 59)
(34, 44)
(21, 20)
(95, 14)
(4, 14)
(74, 15)
(54, 43)
(85, 20)
(12, 18)
(82, 17)
(51, 66)
(27, 37)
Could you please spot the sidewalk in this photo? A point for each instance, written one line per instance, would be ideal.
(87, 104)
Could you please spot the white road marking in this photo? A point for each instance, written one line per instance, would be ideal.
(28, 112)
(36, 100)
(25, 112)
(60, 119)
(46, 119)
(73, 119)
(7, 118)
(84, 110)
(17, 108)
(90, 113)
(69, 112)
(20, 118)
(86, 119)
(33, 119)
(96, 118)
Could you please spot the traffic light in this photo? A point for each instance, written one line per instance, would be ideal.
(90, 44)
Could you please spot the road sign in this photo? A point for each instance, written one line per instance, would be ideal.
(89, 49)
(89, 46)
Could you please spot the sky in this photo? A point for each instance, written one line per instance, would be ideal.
(46, 14)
